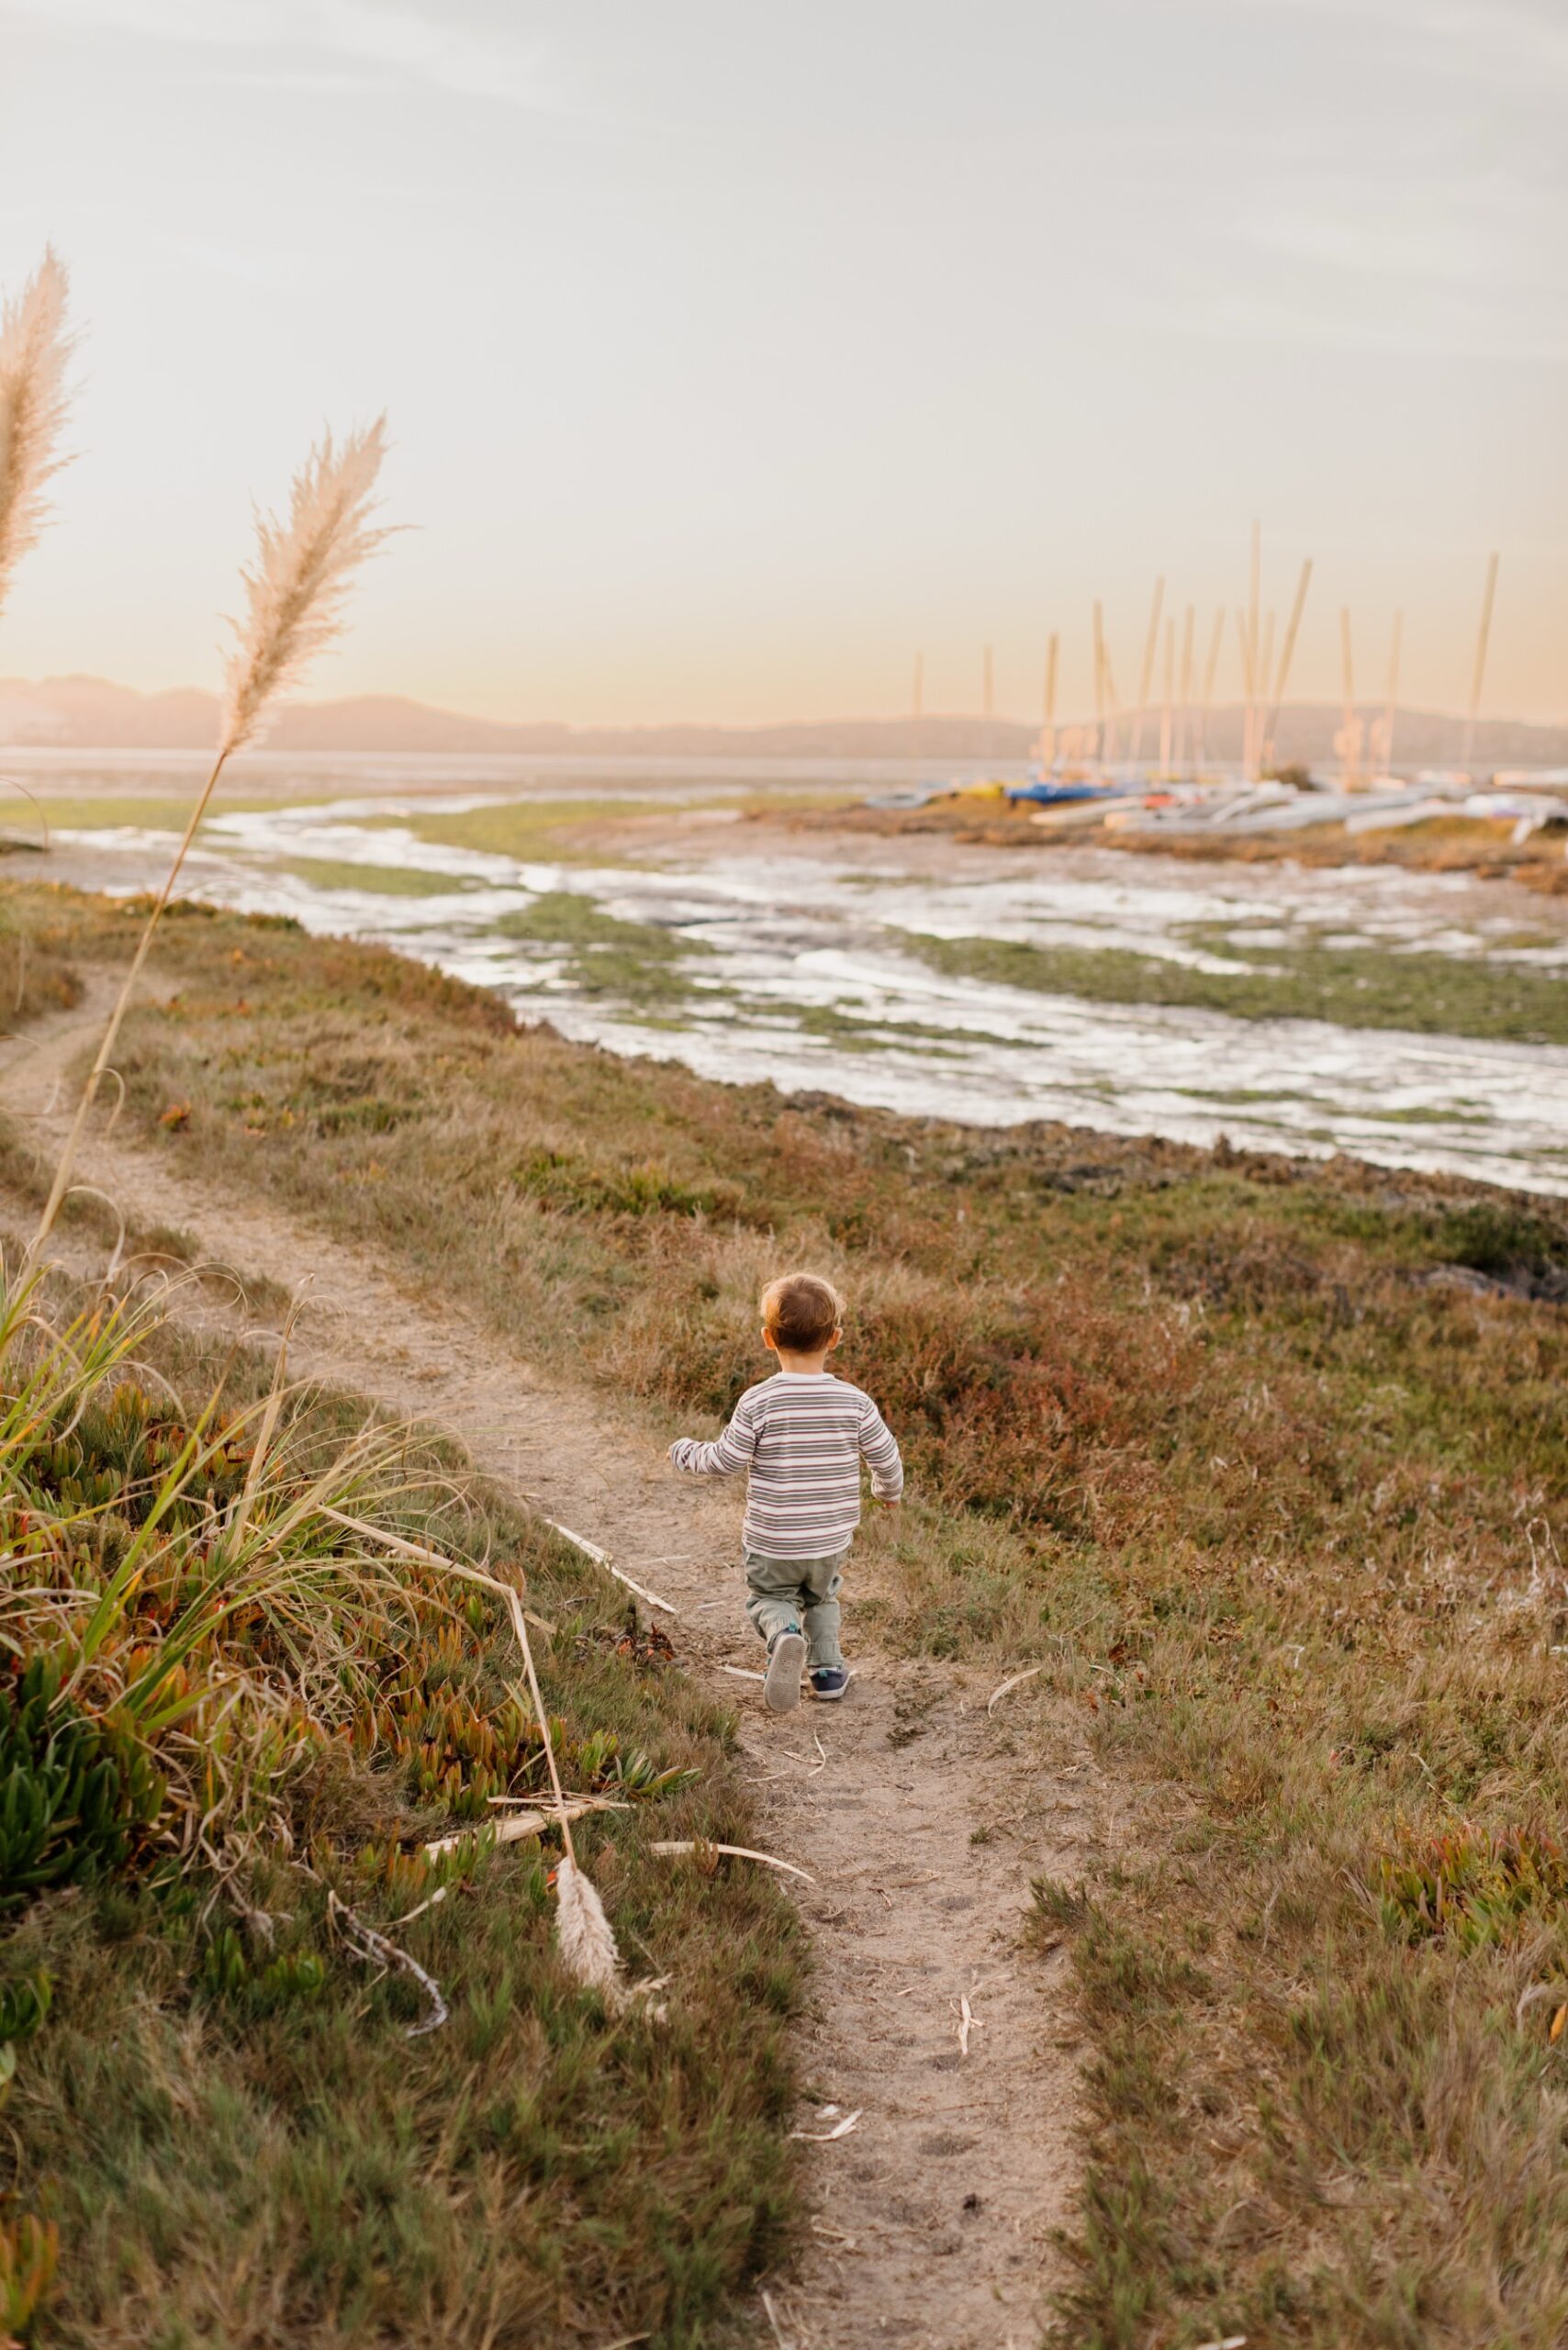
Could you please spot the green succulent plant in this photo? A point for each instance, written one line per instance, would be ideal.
(76, 1790)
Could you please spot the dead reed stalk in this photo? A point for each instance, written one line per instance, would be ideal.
(582, 1931)
(295, 595)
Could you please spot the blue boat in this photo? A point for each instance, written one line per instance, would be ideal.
(1044, 793)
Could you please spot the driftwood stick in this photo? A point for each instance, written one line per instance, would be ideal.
(602, 1559)
(521, 1824)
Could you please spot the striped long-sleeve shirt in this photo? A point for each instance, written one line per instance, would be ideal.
(802, 1435)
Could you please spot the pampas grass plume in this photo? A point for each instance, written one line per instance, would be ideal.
(34, 348)
(583, 1932)
(296, 588)
(295, 594)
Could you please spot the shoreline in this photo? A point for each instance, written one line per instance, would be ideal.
(906, 980)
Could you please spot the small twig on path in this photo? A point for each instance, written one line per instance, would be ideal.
(1016, 1681)
(773, 2321)
(602, 1559)
(735, 1852)
(835, 2235)
(967, 2020)
(825, 2137)
(742, 1673)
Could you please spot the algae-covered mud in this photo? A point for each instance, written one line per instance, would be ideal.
(1412, 1019)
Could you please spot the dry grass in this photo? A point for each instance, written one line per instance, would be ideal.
(244, 1691)
(298, 588)
(1251, 1456)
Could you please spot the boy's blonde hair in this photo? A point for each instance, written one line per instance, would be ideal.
(800, 1313)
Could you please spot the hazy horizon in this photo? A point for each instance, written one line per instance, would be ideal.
(1067, 718)
(733, 360)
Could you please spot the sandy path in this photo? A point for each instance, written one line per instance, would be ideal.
(934, 2214)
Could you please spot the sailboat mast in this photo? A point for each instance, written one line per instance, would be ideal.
(1351, 747)
(1114, 708)
(1254, 687)
(1389, 705)
(1250, 703)
(1480, 644)
(1210, 671)
(1048, 730)
(1288, 648)
(1145, 674)
(1263, 748)
(1183, 727)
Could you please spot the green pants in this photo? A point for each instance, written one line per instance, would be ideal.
(797, 1595)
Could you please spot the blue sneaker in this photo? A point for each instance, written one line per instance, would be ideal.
(781, 1683)
(830, 1680)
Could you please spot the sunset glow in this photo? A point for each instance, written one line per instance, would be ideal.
(734, 357)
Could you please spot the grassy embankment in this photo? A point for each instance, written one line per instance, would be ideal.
(223, 1709)
(1254, 1459)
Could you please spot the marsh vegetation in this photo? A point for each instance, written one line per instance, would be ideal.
(1261, 1463)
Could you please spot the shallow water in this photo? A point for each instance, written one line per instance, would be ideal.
(790, 930)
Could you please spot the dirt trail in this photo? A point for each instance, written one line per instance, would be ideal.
(933, 2216)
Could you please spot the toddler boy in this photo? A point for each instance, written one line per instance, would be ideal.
(802, 1437)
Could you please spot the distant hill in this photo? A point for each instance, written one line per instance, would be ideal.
(92, 714)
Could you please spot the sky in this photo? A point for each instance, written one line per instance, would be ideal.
(735, 354)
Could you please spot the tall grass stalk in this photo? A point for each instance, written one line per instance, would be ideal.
(584, 1933)
(34, 348)
(295, 594)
